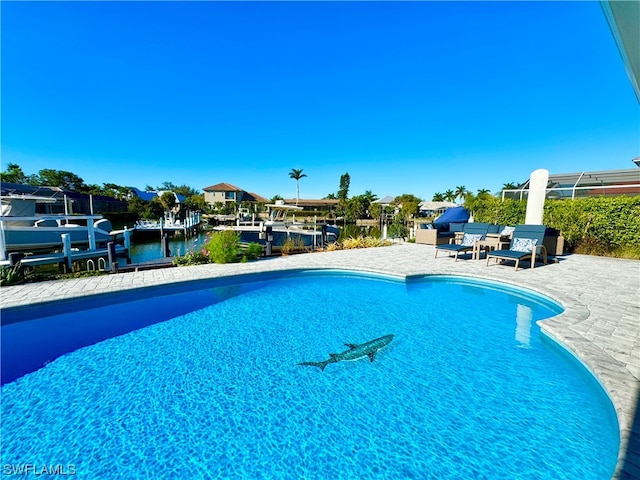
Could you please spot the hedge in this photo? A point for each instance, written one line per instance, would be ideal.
(611, 220)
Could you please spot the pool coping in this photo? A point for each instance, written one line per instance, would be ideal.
(595, 326)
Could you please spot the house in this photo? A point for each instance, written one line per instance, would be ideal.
(149, 195)
(434, 209)
(224, 193)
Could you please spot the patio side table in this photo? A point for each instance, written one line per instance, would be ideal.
(493, 241)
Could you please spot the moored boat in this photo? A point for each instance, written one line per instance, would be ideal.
(278, 229)
(22, 230)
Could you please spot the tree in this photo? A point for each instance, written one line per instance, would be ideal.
(483, 192)
(14, 174)
(370, 196)
(438, 197)
(183, 190)
(146, 210)
(196, 203)
(62, 179)
(168, 200)
(408, 205)
(358, 206)
(297, 174)
(461, 192)
(449, 195)
(343, 191)
(375, 210)
(115, 191)
(510, 186)
(168, 186)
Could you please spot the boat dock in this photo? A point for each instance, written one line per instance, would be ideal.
(97, 258)
(170, 224)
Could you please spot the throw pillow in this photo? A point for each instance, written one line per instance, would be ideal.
(507, 231)
(523, 244)
(468, 239)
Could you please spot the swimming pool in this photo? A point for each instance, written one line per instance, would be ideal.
(468, 388)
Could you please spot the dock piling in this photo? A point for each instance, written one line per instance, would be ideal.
(165, 246)
(66, 250)
(111, 255)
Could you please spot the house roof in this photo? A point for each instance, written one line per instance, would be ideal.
(436, 205)
(143, 195)
(147, 196)
(254, 197)
(222, 187)
(385, 200)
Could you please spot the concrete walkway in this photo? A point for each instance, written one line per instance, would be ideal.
(600, 324)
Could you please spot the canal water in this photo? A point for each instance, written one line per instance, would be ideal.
(149, 248)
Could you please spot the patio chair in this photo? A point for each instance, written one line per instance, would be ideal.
(526, 243)
(472, 232)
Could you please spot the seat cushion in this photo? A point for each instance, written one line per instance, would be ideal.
(468, 239)
(507, 231)
(523, 244)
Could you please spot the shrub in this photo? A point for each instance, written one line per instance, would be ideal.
(10, 275)
(253, 251)
(292, 244)
(592, 225)
(398, 230)
(349, 243)
(223, 247)
(349, 230)
(361, 242)
(494, 210)
(192, 258)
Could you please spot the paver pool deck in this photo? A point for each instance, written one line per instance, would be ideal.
(600, 324)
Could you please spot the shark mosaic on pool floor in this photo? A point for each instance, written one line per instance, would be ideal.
(600, 324)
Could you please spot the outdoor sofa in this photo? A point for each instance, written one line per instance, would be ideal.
(437, 233)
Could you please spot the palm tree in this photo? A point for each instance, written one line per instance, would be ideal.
(509, 186)
(461, 192)
(297, 174)
(483, 192)
(449, 195)
(438, 197)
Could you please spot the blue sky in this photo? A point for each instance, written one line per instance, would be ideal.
(407, 97)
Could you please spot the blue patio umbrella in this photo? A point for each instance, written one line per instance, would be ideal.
(453, 215)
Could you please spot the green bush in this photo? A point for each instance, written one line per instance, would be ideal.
(349, 230)
(223, 247)
(253, 251)
(594, 223)
(398, 230)
(614, 221)
(10, 275)
(494, 210)
(191, 258)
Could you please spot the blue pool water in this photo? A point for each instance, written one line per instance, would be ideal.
(468, 388)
